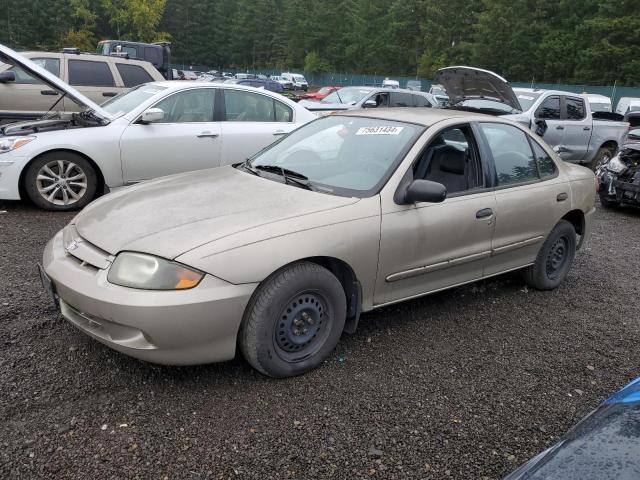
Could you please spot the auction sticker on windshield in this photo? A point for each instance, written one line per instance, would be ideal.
(382, 130)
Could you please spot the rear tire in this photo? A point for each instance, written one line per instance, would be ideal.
(60, 181)
(602, 157)
(554, 258)
(293, 321)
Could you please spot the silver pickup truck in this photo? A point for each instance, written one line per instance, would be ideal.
(563, 119)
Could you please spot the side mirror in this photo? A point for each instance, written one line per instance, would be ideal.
(7, 77)
(541, 127)
(369, 104)
(425, 191)
(152, 115)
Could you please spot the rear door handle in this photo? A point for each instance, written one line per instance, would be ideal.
(586, 128)
(48, 92)
(559, 127)
(562, 197)
(279, 132)
(109, 94)
(484, 213)
(207, 135)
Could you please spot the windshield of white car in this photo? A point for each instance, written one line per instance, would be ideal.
(341, 155)
(526, 100)
(347, 95)
(299, 78)
(127, 101)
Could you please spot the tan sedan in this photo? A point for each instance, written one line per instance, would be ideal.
(281, 254)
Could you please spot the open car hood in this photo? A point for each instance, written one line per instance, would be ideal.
(469, 83)
(12, 58)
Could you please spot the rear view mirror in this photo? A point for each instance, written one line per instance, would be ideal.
(7, 77)
(369, 104)
(541, 127)
(152, 115)
(425, 191)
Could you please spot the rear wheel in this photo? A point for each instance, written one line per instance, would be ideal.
(294, 321)
(60, 181)
(602, 157)
(554, 258)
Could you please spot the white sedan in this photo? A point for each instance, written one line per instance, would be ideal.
(155, 129)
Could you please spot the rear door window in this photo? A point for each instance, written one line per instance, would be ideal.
(242, 106)
(420, 101)
(575, 108)
(549, 108)
(90, 74)
(401, 99)
(512, 155)
(133, 75)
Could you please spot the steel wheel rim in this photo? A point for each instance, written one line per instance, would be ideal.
(61, 182)
(557, 257)
(302, 326)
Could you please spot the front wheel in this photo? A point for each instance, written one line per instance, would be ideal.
(294, 320)
(60, 181)
(554, 258)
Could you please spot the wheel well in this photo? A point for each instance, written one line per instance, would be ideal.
(576, 218)
(101, 184)
(610, 145)
(350, 284)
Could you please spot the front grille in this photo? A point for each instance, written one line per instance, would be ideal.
(85, 252)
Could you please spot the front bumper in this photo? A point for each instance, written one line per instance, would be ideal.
(185, 327)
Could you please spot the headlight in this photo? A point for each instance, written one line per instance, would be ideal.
(615, 165)
(138, 270)
(11, 143)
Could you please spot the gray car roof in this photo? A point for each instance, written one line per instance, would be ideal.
(421, 116)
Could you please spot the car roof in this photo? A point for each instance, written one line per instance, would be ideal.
(85, 56)
(176, 85)
(420, 116)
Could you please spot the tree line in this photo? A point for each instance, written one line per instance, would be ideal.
(568, 41)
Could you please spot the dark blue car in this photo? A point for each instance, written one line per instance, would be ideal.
(265, 83)
(605, 445)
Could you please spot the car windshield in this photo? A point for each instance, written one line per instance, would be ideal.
(487, 104)
(341, 155)
(438, 91)
(324, 90)
(299, 78)
(127, 101)
(347, 95)
(527, 99)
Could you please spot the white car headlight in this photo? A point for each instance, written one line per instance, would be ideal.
(11, 143)
(148, 272)
(615, 165)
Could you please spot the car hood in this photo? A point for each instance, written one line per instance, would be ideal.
(467, 83)
(10, 57)
(172, 215)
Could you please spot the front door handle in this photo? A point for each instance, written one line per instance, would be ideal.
(279, 132)
(586, 129)
(484, 213)
(207, 135)
(559, 127)
(48, 92)
(562, 197)
(109, 94)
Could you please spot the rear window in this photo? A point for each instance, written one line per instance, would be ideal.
(90, 74)
(133, 75)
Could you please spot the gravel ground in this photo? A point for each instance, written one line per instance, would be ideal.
(465, 384)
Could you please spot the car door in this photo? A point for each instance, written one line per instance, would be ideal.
(549, 110)
(27, 96)
(577, 130)
(425, 247)
(93, 78)
(187, 138)
(252, 121)
(530, 195)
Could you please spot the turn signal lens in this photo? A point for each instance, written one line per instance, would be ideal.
(187, 279)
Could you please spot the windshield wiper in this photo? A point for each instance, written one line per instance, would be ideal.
(289, 176)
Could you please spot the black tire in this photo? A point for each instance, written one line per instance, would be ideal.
(603, 156)
(554, 258)
(63, 184)
(293, 321)
(607, 202)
